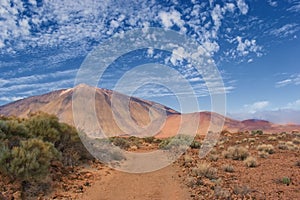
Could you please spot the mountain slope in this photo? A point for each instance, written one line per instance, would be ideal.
(113, 119)
(59, 103)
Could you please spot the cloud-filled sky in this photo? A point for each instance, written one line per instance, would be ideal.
(255, 46)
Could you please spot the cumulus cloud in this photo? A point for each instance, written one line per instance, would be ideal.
(61, 31)
(244, 47)
(242, 6)
(169, 19)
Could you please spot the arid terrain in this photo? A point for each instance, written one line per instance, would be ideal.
(253, 159)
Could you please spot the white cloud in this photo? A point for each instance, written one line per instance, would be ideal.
(273, 3)
(293, 79)
(242, 6)
(9, 99)
(286, 30)
(244, 47)
(294, 105)
(217, 16)
(256, 106)
(169, 19)
(295, 7)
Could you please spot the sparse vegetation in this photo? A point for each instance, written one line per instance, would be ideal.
(176, 142)
(263, 154)
(286, 180)
(228, 168)
(195, 145)
(266, 148)
(205, 170)
(221, 193)
(272, 138)
(29, 146)
(236, 153)
(251, 162)
(257, 132)
(28, 162)
(213, 157)
(289, 145)
(241, 190)
(296, 141)
(123, 143)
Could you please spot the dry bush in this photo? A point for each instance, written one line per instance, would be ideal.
(213, 157)
(296, 141)
(251, 162)
(287, 146)
(205, 170)
(245, 140)
(282, 145)
(228, 168)
(241, 190)
(263, 154)
(236, 153)
(187, 160)
(221, 193)
(267, 148)
(272, 138)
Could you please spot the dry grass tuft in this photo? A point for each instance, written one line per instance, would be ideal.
(251, 162)
(236, 153)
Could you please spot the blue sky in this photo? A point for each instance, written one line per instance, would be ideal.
(254, 44)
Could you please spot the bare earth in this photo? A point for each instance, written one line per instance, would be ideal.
(162, 184)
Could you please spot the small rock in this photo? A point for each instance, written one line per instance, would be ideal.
(88, 175)
(57, 164)
(87, 184)
(17, 195)
(134, 147)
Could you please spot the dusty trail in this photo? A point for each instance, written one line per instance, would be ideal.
(159, 185)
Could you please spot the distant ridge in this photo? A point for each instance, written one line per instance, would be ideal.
(59, 103)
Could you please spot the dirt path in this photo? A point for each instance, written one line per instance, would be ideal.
(159, 185)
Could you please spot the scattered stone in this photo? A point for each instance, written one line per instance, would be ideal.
(17, 195)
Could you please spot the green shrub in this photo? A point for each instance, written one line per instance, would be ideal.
(286, 180)
(13, 128)
(45, 127)
(257, 132)
(121, 142)
(30, 161)
(176, 141)
(149, 139)
(195, 145)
